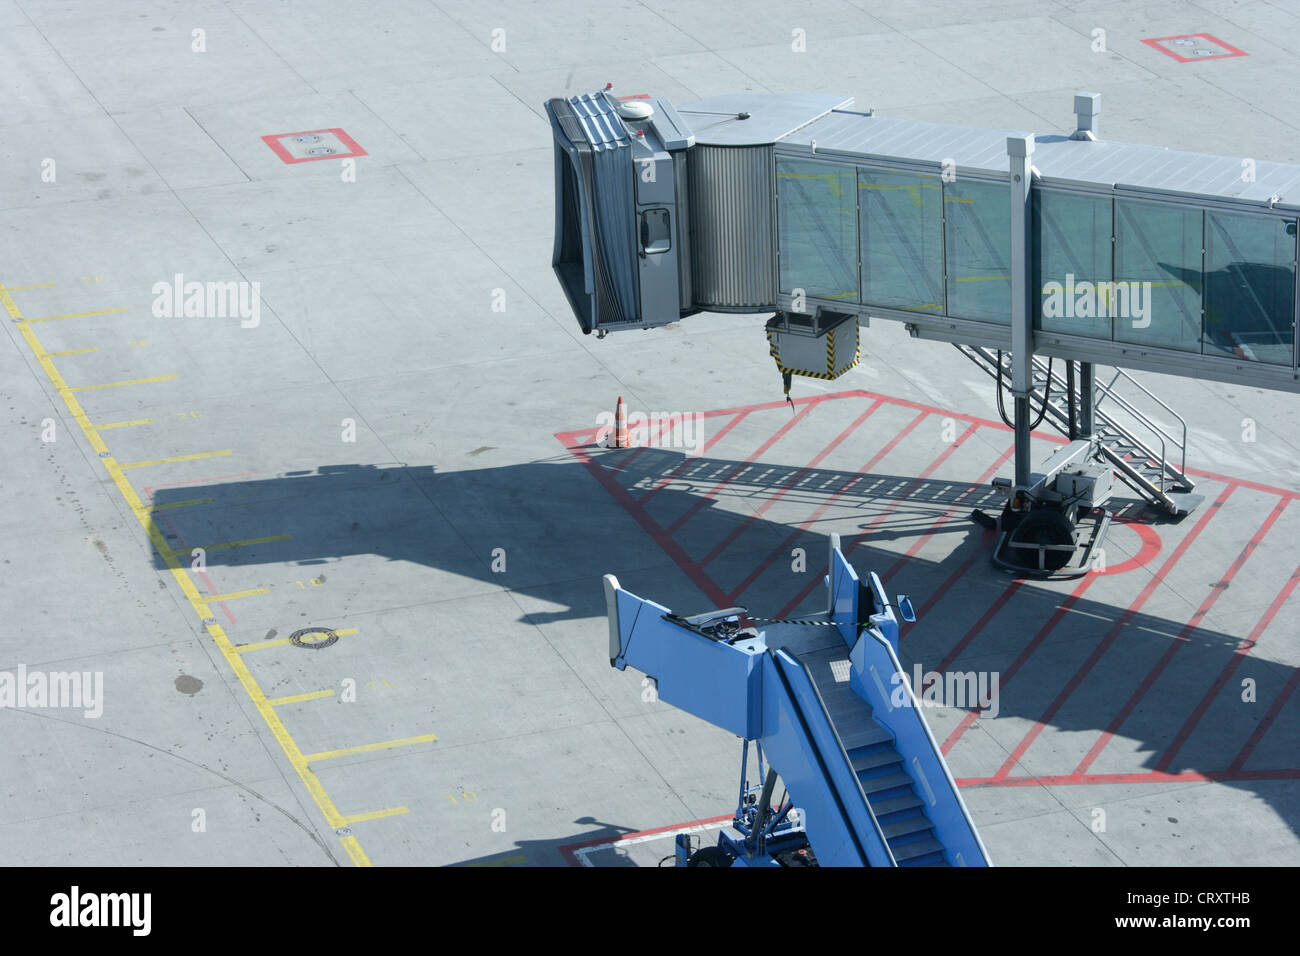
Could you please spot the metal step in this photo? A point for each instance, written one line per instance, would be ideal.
(911, 851)
(1149, 473)
(883, 808)
(907, 826)
(886, 783)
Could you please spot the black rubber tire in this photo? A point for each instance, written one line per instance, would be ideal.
(710, 856)
(1044, 526)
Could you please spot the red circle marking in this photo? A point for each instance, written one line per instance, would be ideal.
(1151, 545)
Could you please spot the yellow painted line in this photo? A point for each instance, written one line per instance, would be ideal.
(72, 352)
(182, 504)
(77, 315)
(333, 818)
(283, 641)
(133, 381)
(227, 545)
(232, 595)
(357, 854)
(375, 815)
(371, 748)
(167, 461)
(10, 305)
(138, 421)
(24, 288)
(982, 278)
(503, 861)
(300, 698)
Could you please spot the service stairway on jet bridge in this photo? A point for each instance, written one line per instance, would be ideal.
(1141, 451)
(831, 708)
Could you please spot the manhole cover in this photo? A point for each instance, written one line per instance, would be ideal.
(300, 637)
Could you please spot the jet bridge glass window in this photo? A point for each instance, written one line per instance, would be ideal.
(1250, 264)
(818, 228)
(978, 245)
(901, 225)
(1158, 275)
(1072, 263)
(656, 234)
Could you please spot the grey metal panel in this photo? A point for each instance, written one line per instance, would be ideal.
(715, 121)
(733, 227)
(668, 123)
(1099, 164)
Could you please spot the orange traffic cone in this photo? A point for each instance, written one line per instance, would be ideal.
(620, 425)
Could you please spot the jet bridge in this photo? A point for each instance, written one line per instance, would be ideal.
(1021, 250)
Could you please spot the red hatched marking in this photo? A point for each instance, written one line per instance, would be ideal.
(1149, 548)
(1233, 663)
(821, 510)
(704, 499)
(1116, 629)
(792, 481)
(1180, 641)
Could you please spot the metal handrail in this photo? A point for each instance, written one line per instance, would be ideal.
(1126, 405)
(1155, 398)
(1138, 416)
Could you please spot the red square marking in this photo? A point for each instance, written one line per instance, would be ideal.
(313, 144)
(1194, 46)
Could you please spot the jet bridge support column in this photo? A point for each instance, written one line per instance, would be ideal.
(1019, 150)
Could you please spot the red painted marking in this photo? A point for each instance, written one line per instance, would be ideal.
(657, 534)
(569, 850)
(685, 462)
(703, 500)
(273, 141)
(790, 538)
(1263, 727)
(790, 483)
(1148, 776)
(1111, 635)
(1238, 656)
(920, 542)
(979, 625)
(1062, 609)
(1151, 545)
(148, 489)
(1156, 44)
(1180, 640)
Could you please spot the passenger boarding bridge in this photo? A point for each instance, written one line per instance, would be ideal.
(1018, 249)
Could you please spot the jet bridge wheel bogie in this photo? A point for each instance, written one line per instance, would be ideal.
(1042, 541)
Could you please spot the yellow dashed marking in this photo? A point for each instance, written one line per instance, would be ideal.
(233, 595)
(370, 748)
(77, 315)
(375, 815)
(167, 461)
(300, 698)
(133, 381)
(283, 641)
(333, 818)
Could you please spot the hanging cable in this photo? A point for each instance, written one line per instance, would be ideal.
(1047, 394)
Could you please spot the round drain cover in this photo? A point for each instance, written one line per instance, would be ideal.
(298, 638)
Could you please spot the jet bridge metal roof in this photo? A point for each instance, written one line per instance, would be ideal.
(802, 124)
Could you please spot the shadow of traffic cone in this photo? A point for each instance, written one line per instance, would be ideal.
(620, 425)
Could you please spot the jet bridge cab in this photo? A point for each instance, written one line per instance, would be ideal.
(622, 236)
